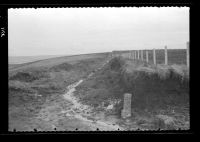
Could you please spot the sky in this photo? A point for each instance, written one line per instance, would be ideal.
(70, 31)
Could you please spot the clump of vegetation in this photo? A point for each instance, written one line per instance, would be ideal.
(164, 122)
(29, 75)
(24, 76)
(117, 64)
(103, 86)
(63, 66)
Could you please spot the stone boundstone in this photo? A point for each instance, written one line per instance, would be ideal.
(126, 112)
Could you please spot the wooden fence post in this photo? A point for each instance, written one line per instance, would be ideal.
(147, 56)
(142, 55)
(135, 54)
(154, 56)
(131, 54)
(188, 55)
(166, 57)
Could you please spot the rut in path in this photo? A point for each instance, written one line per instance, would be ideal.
(81, 111)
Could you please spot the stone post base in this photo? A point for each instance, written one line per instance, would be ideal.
(125, 114)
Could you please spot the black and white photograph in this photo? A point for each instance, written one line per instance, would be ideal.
(98, 69)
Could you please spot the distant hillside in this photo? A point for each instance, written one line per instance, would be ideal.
(53, 61)
(26, 59)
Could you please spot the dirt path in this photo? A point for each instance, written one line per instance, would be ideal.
(84, 118)
(81, 111)
(64, 112)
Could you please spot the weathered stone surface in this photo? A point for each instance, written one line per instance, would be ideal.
(126, 112)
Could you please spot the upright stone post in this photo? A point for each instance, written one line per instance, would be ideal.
(154, 56)
(188, 55)
(142, 55)
(166, 57)
(126, 112)
(147, 56)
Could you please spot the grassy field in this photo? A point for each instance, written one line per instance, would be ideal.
(38, 85)
(47, 63)
(160, 94)
(27, 59)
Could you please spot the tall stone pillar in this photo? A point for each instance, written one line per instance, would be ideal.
(126, 112)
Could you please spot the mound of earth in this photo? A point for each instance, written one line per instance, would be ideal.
(152, 94)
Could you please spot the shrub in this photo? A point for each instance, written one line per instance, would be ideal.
(64, 66)
(23, 76)
(116, 63)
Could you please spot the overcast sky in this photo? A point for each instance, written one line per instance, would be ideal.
(55, 31)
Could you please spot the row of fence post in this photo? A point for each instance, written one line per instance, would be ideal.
(188, 55)
(139, 53)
